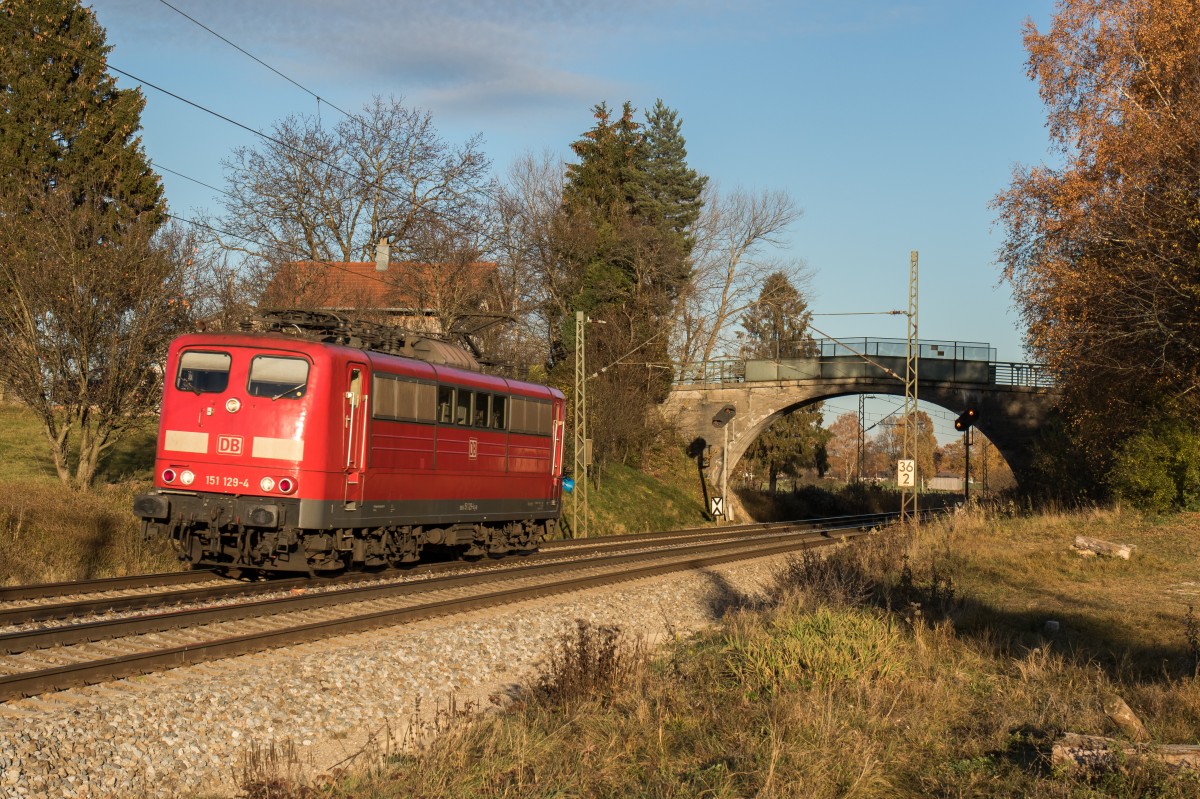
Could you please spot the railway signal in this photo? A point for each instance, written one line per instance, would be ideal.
(963, 424)
(720, 420)
(722, 417)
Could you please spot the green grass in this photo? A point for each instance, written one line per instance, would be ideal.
(26, 453)
(23, 442)
(664, 496)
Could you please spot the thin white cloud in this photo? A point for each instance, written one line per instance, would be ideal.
(502, 57)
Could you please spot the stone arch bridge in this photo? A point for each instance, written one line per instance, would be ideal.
(1014, 400)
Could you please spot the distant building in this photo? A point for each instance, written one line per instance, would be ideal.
(418, 296)
(945, 482)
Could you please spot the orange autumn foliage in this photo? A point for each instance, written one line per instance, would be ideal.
(1102, 247)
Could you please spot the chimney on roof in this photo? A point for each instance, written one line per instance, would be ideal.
(382, 255)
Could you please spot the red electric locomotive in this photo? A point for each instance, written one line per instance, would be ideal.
(281, 454)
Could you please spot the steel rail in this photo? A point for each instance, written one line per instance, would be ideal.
(71, 675)
(47, 590)
(226, 589)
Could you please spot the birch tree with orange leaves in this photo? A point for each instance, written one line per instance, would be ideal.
(1102, 247)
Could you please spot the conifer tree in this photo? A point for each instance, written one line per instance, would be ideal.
(628, 206)
(605, 184)
(64, 124)
(777, 322)
(672, 193)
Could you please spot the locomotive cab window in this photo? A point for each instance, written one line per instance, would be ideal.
(278, 378)
(203, 372)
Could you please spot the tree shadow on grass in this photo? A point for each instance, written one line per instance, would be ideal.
(131, 458)
(98, 548)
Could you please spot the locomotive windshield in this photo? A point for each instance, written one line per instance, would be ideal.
(203, 372)
(276, 378)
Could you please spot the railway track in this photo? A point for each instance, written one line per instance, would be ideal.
(79, 601)
(72, 652)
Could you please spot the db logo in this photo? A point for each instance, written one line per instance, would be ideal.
(472, 448)
(229, 445)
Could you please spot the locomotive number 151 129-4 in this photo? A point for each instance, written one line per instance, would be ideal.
(225, 482)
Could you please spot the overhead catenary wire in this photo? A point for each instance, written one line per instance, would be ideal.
(256, 59)
(162, 168)
(45, 41)
(348, 114)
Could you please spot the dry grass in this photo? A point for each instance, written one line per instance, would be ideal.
(904, 668)
(50, 533)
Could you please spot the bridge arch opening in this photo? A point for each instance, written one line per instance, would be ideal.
(942, 451)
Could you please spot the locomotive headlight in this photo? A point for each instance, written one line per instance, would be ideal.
(266, 484)
(287, 485)
(168, 475)
(187, 477)
(233, 405)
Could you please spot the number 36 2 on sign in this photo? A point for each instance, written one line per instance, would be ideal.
(906, 473)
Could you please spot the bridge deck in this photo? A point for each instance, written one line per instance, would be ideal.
(841, 367)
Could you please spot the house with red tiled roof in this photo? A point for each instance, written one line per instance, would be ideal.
(418, 296)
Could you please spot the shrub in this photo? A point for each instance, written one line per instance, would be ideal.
(1158, 469)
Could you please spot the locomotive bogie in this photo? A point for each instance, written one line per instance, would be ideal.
(276, 454)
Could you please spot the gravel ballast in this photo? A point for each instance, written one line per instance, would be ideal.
(190, 730)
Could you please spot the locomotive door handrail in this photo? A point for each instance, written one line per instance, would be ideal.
(557, 445)
(355, 404)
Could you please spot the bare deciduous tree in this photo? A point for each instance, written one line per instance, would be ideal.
(317, 194)
(83, 322)
(736, 240)
(533, 285)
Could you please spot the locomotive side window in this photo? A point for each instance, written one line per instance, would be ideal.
(276, 377)
(397, 399)
(203, 372)
(530, 416)
(516, 419)
(482, 414)
(445, 403)
(499, 417)
(462, 407)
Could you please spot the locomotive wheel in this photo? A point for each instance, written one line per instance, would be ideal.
(402, 546)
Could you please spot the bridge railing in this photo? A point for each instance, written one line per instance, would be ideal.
(735, 370)
(1031, 375)
(898, 348)
(724, 370)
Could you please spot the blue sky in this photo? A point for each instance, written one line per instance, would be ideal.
(892, 124)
